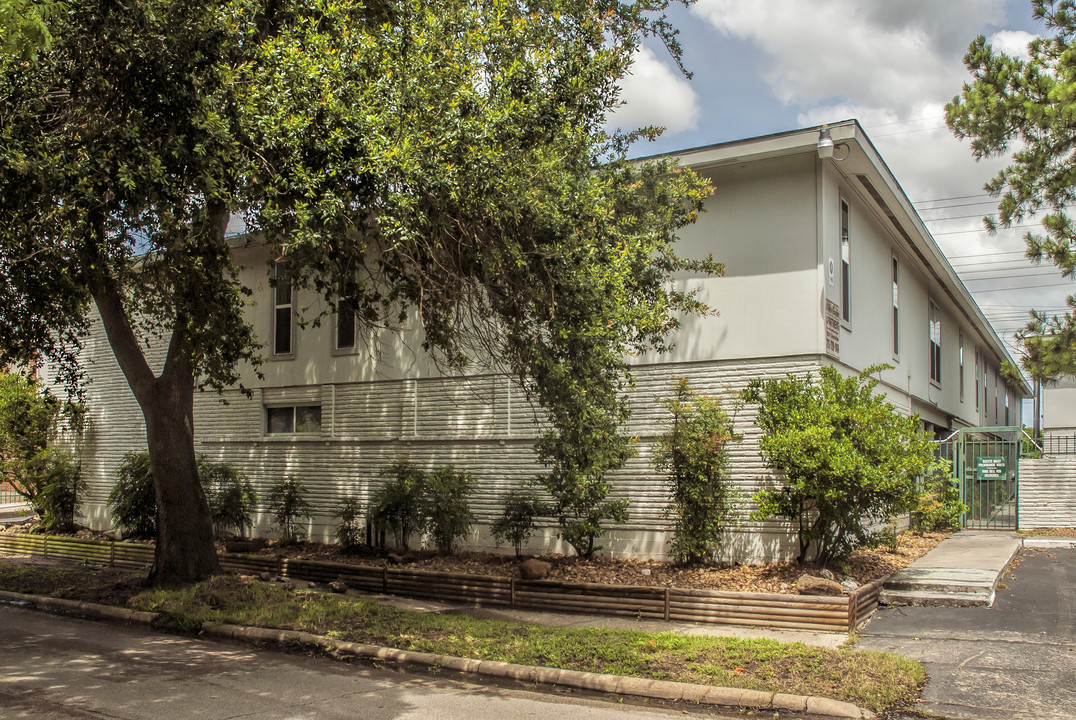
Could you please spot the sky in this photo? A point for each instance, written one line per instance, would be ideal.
(766, 66)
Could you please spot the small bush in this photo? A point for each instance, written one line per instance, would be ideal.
(61, 487)
(445, 506)
(694, 453)
(515, 524)
(288, 503)
(397, 504)
(230, 495)
(132, 502)
(349, 528)
(939, 506)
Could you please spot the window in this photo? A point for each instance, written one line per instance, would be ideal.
(345, 326)
(960, 356)
(1006, 406)
(283, 314)
(293, 419)
(846, 258)
(896, 310)
(978, 380)
(935, 344)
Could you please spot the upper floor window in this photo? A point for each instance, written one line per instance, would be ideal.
(283, 313)
(345, 325)
(978, 379)
(896, 308)
(935, 343)
(960, 357)
(846, 261)
(1006, 406)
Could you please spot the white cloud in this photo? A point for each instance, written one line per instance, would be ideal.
(888, 54)
(1012, 42)
(653, 93)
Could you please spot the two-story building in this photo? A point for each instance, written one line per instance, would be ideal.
(826, 261)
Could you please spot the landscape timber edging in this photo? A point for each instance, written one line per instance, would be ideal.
(791, 612)
(577, 679)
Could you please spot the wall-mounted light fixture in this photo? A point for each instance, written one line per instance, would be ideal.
(826, 147)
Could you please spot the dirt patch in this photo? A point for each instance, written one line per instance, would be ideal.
(107, 586)
(863, 566)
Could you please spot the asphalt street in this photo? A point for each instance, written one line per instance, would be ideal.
(54, 667)
(1016, 659)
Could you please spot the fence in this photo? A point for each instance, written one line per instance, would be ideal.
(799, 612)
(1054, 444)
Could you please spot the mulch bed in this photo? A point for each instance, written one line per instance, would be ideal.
(862, 566)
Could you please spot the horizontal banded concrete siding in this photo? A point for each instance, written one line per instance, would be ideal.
(1048, 492)
(482, 424)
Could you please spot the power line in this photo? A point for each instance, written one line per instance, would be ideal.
(954, 197)
(1018, 287)
(1000, 252)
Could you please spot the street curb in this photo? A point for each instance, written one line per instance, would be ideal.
(597, 682)
(1049, 542)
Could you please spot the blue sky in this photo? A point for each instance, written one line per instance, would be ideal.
(764, 66)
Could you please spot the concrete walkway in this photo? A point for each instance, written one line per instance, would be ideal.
(962, 571)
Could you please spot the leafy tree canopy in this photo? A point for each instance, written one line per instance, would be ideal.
(1026, 105)
(440, 158)
(24, 30)
(849, 458)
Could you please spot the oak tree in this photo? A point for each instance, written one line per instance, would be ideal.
(436, 159)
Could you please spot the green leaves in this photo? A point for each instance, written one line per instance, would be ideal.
(433, 160)
(849, 458)
(694, 454)
(1029, 105)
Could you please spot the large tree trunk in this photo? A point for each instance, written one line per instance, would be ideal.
(185, 550)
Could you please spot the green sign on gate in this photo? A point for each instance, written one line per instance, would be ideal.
(990, 467)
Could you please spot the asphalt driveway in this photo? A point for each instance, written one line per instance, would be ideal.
(1016, 659)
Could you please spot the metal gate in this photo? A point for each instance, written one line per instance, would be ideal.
(986, 460)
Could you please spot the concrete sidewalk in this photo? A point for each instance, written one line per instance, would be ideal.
(962, 571)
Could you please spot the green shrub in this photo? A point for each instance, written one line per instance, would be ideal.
(30, 420)
(445, 506)
(398, 503)
(515, 524)
(849, 458)
(132, 502)
(693, 453)
(60, 490)
(350, 529)
(939, 506)
(289, 506)
(230, 495)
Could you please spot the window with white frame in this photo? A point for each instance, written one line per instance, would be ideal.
(896, 308)
(960, 355)
(846, 263)
(283, 314)
(978, 379)
(935, 343)
(293, 419)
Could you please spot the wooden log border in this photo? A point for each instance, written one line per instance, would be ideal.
(794, 612)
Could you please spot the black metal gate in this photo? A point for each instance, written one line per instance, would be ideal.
(986, 460)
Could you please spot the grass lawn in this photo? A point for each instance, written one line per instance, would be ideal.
(879, 681)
